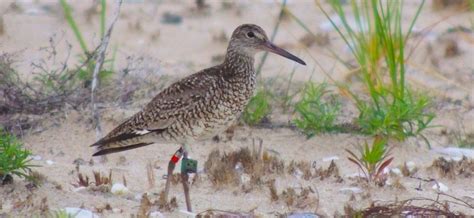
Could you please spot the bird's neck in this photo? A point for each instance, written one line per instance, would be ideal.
(239, 64)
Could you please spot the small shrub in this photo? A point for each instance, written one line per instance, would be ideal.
(14, 160)
(257, 108)
(316, 114)
(400, 118)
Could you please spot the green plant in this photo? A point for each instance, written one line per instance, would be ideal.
(85, 70)
(315, 113)
(377, 41)
(257, 108)
(372, 160)
(14, 160)
(60, 214)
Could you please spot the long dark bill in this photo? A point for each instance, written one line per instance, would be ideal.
(268, 46)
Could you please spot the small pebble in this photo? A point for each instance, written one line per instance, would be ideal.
(119, 189)
(411, 166)
(49, 162)
(36, 157)
(118, 210)
(440, 187)
(396, 171)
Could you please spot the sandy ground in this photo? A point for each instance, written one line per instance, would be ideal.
(178, 50)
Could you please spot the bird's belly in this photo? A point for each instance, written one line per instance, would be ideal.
(216, 122)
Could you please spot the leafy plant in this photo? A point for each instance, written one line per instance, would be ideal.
(85, 70)
(14, 160)
(372, 160)
(377, 41)
(257, 108)
(315, 113)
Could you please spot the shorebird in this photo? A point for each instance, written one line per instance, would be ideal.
(196, 107)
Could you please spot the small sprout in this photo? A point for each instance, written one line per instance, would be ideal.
(332, 170)
(102, 179)
(83, 181)
(372, 160)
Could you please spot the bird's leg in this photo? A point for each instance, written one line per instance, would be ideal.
(174, 159)
(184, 178)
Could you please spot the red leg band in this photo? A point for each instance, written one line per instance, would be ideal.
(175, 159)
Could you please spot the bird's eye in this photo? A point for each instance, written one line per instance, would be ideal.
(250, 34)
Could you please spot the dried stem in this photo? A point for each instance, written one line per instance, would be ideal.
(100, 56)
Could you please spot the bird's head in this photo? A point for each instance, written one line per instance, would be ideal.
(248, 39)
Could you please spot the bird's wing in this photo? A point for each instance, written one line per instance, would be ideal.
(164, 109)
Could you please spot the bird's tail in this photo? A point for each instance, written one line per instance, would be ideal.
(121, 142)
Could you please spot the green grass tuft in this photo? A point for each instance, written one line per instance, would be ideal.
(14, 160)
(372, 159)
(377, 41)
(316, 114)
(257, 108)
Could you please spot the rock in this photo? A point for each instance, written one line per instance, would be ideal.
(49, 162)
(118, 210)
(396, 171)
(119, 189)
(411, 167)
(79, 212)
(438, 186)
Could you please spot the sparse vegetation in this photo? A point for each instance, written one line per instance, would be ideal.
(377, 41)
(227, 169)
(14, 159)
(372, 160)
(258, 108)
(85, 70)
(101, 182)
(316, 113)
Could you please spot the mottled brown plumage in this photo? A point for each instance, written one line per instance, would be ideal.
(199, 106)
